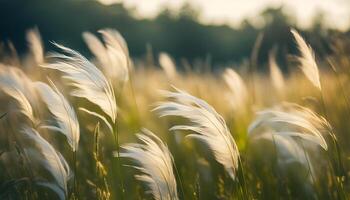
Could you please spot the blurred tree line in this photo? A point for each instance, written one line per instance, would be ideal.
(179, 34)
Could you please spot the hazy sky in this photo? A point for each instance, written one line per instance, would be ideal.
(337, 12)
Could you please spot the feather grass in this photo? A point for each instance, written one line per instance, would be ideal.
(49, 158)
(155, 162)
(293, 120)
(168, 65)
(238, 90)
(307, 60)
(35, 45)
(210, 127)
(276, 75)
(88, 81)
(113, 54)
(63, 112)
(17, 85)
(289, 150)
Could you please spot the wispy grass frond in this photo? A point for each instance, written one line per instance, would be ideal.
(276, 75)
(49, 158)
(289, 151)
(98, 116)
(88, 81)
(238, 90)
(307, 60)
(155, 162)
(210, 127)
(24, 106)
(113, 54)
(63, 112)
(115, 39)
(97, 48)
(14, 83)
(35, 45)
(118, 53)
(293, 120)
(168, 65)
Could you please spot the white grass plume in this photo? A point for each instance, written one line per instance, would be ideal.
(276, 75)
(115, 41)
(293, 120)
(113, 54)
(63, 112)
(168, 65)
(35, 45)
(238, 94)
(97, 48)
(288, 151)
(49, 158)
(307, 60)
(88, 81)
(155, 162)
(210, 127)
(24, 106)
(14, 83)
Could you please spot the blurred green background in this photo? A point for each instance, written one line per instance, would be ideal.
(178, 33)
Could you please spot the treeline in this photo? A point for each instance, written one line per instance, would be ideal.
(179, 34)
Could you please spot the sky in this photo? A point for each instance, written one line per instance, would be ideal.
(232, 12)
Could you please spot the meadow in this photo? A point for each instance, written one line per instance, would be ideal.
(111, 127)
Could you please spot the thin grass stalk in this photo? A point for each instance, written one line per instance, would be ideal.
(340, 85)
(197, 189)
(116, 132)
(340, 168)
(26, 167)
(96, 150)
(276, 157)
(100, 173)
(232, 190)
(337, 148)
(334, 180)
(119, 172)
(24, 157)
(244, 187)
(334, 138)
(116, 142)
(346, 102)
(179, 177)
(240, 190)
(3, 115)
(335, 143)
(131, 83)
(75, 181)
(309, 168)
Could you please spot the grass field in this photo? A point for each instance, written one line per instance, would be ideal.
(69, 125)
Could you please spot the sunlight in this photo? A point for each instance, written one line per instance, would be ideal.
(232, 12)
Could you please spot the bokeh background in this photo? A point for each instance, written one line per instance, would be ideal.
(219, 32)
